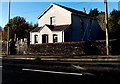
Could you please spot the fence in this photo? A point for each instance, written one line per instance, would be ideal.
(18, 47)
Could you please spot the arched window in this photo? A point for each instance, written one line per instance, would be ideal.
(55, 38)
(36, 38)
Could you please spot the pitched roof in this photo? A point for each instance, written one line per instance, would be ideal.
(72, 10)
(67, 8)
(57, 28)
(36, 29)
(52, 28)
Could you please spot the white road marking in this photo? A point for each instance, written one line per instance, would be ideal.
(26, 58)
(78, 67)
(55, 72)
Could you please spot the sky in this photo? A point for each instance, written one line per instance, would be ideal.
(31, 10)
(60, 0)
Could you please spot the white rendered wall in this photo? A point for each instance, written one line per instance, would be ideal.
(62, 16)
(47, 31)
(32, 39)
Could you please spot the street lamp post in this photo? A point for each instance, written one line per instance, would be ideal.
(8, 45)
(106, 26)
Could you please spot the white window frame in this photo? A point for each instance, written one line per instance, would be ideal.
(35, 38)
(55, 38)
(52, 20)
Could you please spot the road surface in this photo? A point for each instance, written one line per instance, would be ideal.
(51, 72)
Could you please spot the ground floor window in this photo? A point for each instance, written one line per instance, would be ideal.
(45, 38)
(36, 38)
(55, 38)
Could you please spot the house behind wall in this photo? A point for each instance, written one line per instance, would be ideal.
(80, 27)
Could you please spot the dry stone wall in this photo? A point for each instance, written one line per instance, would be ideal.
(71, 48)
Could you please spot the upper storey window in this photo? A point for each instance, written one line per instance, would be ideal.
(52, 20)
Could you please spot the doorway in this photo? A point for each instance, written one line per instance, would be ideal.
(45, 38)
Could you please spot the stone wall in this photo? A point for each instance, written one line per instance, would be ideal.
(73, 48)
(70, 48)
(115, 47)
(4, 47)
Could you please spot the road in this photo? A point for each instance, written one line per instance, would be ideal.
(56, 72)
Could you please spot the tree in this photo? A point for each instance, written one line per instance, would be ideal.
(0, 33)
(100, 16)
(114, 20)
(4, 33)
(94, 12)
(35, 25)
(18, 27)
(101, 20)
(0, 28)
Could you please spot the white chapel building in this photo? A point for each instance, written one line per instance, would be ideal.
(58, 23)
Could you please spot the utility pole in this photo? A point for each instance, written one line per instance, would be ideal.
(8, 44)
(106, 26)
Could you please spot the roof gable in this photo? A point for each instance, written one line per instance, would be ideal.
(66, 8)
(48, 8)
(45, 29)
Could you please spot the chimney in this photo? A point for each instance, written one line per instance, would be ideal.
(84, 11)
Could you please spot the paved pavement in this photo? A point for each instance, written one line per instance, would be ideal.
(61, 58)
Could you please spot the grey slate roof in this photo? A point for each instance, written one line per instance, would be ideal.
(69, 9)
(36, 29)
(72, 10)
(52, 28)
(57, 28)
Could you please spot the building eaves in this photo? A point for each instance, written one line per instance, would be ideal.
(57, 28)
(36, 29)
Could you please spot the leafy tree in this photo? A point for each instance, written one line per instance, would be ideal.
(101, 20)
(119, 21)
(94, 12)
(100, 16)
(4, 33)
(0, 33)
(18, 26)
(0, 28)
(114, 20)
(35, 25)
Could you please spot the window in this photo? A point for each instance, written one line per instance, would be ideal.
(36, 38)
(55, 38)
(52, 20)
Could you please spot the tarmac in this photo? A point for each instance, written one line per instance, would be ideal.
(95, 67)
